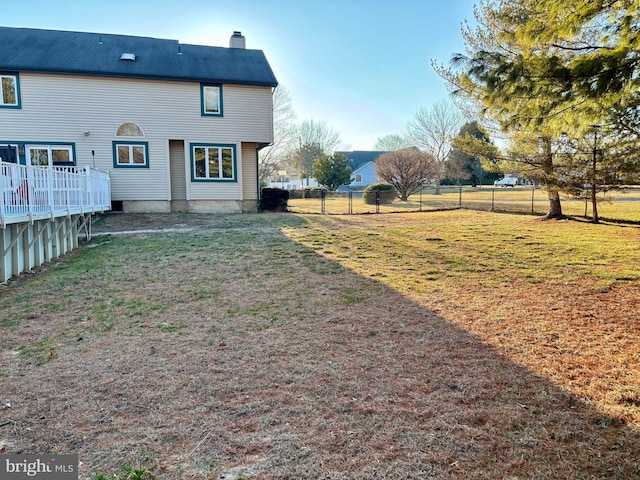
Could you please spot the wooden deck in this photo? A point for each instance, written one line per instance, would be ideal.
(42, 211)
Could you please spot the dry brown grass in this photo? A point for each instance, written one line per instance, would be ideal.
(234, 351)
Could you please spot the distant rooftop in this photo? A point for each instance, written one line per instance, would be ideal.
(357, 158)
(54, 51)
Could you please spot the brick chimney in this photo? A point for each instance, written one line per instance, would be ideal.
(237, 40)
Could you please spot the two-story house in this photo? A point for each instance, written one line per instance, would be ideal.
(177, 126)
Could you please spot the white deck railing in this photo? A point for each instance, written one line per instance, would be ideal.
(28, 191)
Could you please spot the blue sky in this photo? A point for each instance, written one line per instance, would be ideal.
(361, 66)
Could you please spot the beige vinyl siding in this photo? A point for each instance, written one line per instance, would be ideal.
(178, 170)
(249, 105)
(250, 172)
(60, 108)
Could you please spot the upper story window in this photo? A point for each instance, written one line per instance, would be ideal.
(211, 99)
(213, 162)
(9, 90)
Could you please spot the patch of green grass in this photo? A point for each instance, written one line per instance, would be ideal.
(9, 321)
(165, 328)
(41, 351)
(354, 294)
(127, 472)
(144, 306)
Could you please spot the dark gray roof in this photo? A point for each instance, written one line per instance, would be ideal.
(34, 50)
(358, 158)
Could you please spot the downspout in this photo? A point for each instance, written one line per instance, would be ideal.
(260, 147)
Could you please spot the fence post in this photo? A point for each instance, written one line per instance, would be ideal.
(493, 198)
(350, 203)
(533, 191)
(585, 205)
(4, 191)
(460, 197)
(322, 201)
(377, 201)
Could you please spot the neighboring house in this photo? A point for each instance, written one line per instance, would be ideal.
(363, 176)
(290, 181)
(178, 127)
(363, 164)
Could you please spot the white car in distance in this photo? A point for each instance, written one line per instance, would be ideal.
(506, 182)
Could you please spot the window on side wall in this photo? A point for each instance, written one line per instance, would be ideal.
(49, 155)
(131, 154)
(9, 91)
(211, 100)
(213, 162)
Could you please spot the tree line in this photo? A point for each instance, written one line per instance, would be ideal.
(556, 80)
(309, 146)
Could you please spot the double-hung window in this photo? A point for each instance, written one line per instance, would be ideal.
(9, 91)
(131, 154)
(213, 162)
(211, 99)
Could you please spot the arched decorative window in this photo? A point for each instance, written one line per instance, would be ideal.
(129, 130)
(129, 153)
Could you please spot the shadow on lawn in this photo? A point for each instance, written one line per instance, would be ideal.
(336, 376)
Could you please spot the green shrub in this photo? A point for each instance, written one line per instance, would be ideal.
(387, 193)
(296, 193)
(274, 199)
(313, 192)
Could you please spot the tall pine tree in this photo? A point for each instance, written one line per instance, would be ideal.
(547, 70)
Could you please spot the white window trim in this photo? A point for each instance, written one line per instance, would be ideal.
(16, 88)
(130, 146)
(208, 177)
(203, 100)
(49, 149)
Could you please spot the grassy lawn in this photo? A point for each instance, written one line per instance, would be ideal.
(455, 344)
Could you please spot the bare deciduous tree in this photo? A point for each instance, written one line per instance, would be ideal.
(272, 158)
(310, 132)
(311, 140)
(408, 170)
(431, 130)
(304, 158)
(392, 142)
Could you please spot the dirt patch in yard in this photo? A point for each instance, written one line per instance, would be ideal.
(122, 223)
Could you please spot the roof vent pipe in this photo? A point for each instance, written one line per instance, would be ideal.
(237, 40)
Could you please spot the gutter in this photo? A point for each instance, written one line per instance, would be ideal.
(142, 76)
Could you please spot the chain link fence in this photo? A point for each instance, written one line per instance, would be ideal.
(505, 199)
